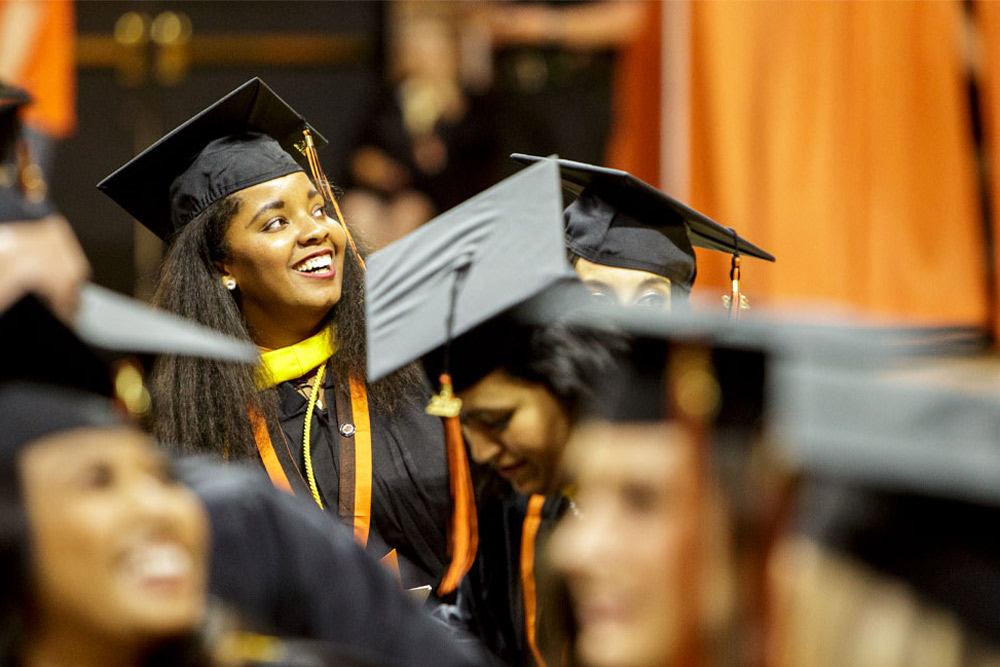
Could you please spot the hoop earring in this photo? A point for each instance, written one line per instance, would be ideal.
(230, 284)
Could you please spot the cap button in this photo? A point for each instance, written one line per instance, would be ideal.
(347, 430)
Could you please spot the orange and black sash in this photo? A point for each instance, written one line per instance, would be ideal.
(354, 427)
(529, 535)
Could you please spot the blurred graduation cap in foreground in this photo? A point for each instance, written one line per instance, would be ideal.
(50, 381)
(463, 269)
(618, 220)
(249, 136)
(902, 468)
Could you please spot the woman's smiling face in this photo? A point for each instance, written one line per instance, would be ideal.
(120, 547)
(286, 257)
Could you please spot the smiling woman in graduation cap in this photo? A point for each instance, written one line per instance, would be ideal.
(258, 249)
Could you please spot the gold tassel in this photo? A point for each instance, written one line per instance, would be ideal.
(324, 188)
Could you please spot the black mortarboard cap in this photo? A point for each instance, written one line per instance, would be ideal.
(248, 137)
(619, 220)
(497, 250)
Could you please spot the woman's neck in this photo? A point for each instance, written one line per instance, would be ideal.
(283, 335)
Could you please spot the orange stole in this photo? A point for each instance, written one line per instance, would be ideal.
(463, 533)
(361, 480)
(529, 532)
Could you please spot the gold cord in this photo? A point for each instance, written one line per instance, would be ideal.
(306, 450)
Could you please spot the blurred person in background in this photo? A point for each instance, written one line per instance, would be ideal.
(644, 568)
(427, 144)
(553, 70)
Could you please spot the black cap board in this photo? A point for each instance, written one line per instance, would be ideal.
(619, 220)
(248, 137)
(485, 256)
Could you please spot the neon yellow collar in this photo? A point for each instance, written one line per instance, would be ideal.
(294, 361)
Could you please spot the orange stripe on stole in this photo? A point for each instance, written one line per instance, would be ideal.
(266, 449)
(529, 532)
(362, 461)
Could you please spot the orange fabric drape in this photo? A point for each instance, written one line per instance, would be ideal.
(49, 72)
(635, 134)
(987, 16)
(837, 136)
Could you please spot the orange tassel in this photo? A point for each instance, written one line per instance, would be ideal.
(463, 535)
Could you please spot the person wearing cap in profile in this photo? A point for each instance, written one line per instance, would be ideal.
(458, 294)
(633, 243)
(254, 253)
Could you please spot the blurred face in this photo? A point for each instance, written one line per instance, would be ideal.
(285, 254)
(630, 287)
(620, 554)
(518, 428)
(119, 547)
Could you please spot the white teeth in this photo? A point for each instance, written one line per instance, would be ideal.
(320, 263)
(161, 561)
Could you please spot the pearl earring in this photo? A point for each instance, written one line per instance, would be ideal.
(230, 284)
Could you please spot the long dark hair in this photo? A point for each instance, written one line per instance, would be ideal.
(202, 405)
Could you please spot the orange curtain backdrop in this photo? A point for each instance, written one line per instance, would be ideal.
(49, 73)
(636, 131)
(987, 15)
(837, 136)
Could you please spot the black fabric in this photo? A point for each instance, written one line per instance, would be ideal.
(947, 550)
(30, 411)
(293, 571)
(411, 495)
(490, 602)
(145, 185)
(604, 234)
(225, 166)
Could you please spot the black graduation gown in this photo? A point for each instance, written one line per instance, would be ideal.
(411, 495)
(295, 572)
(490, 601)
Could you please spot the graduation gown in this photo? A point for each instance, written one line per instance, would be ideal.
(295, 572)
(491, 601)
(410, 494)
